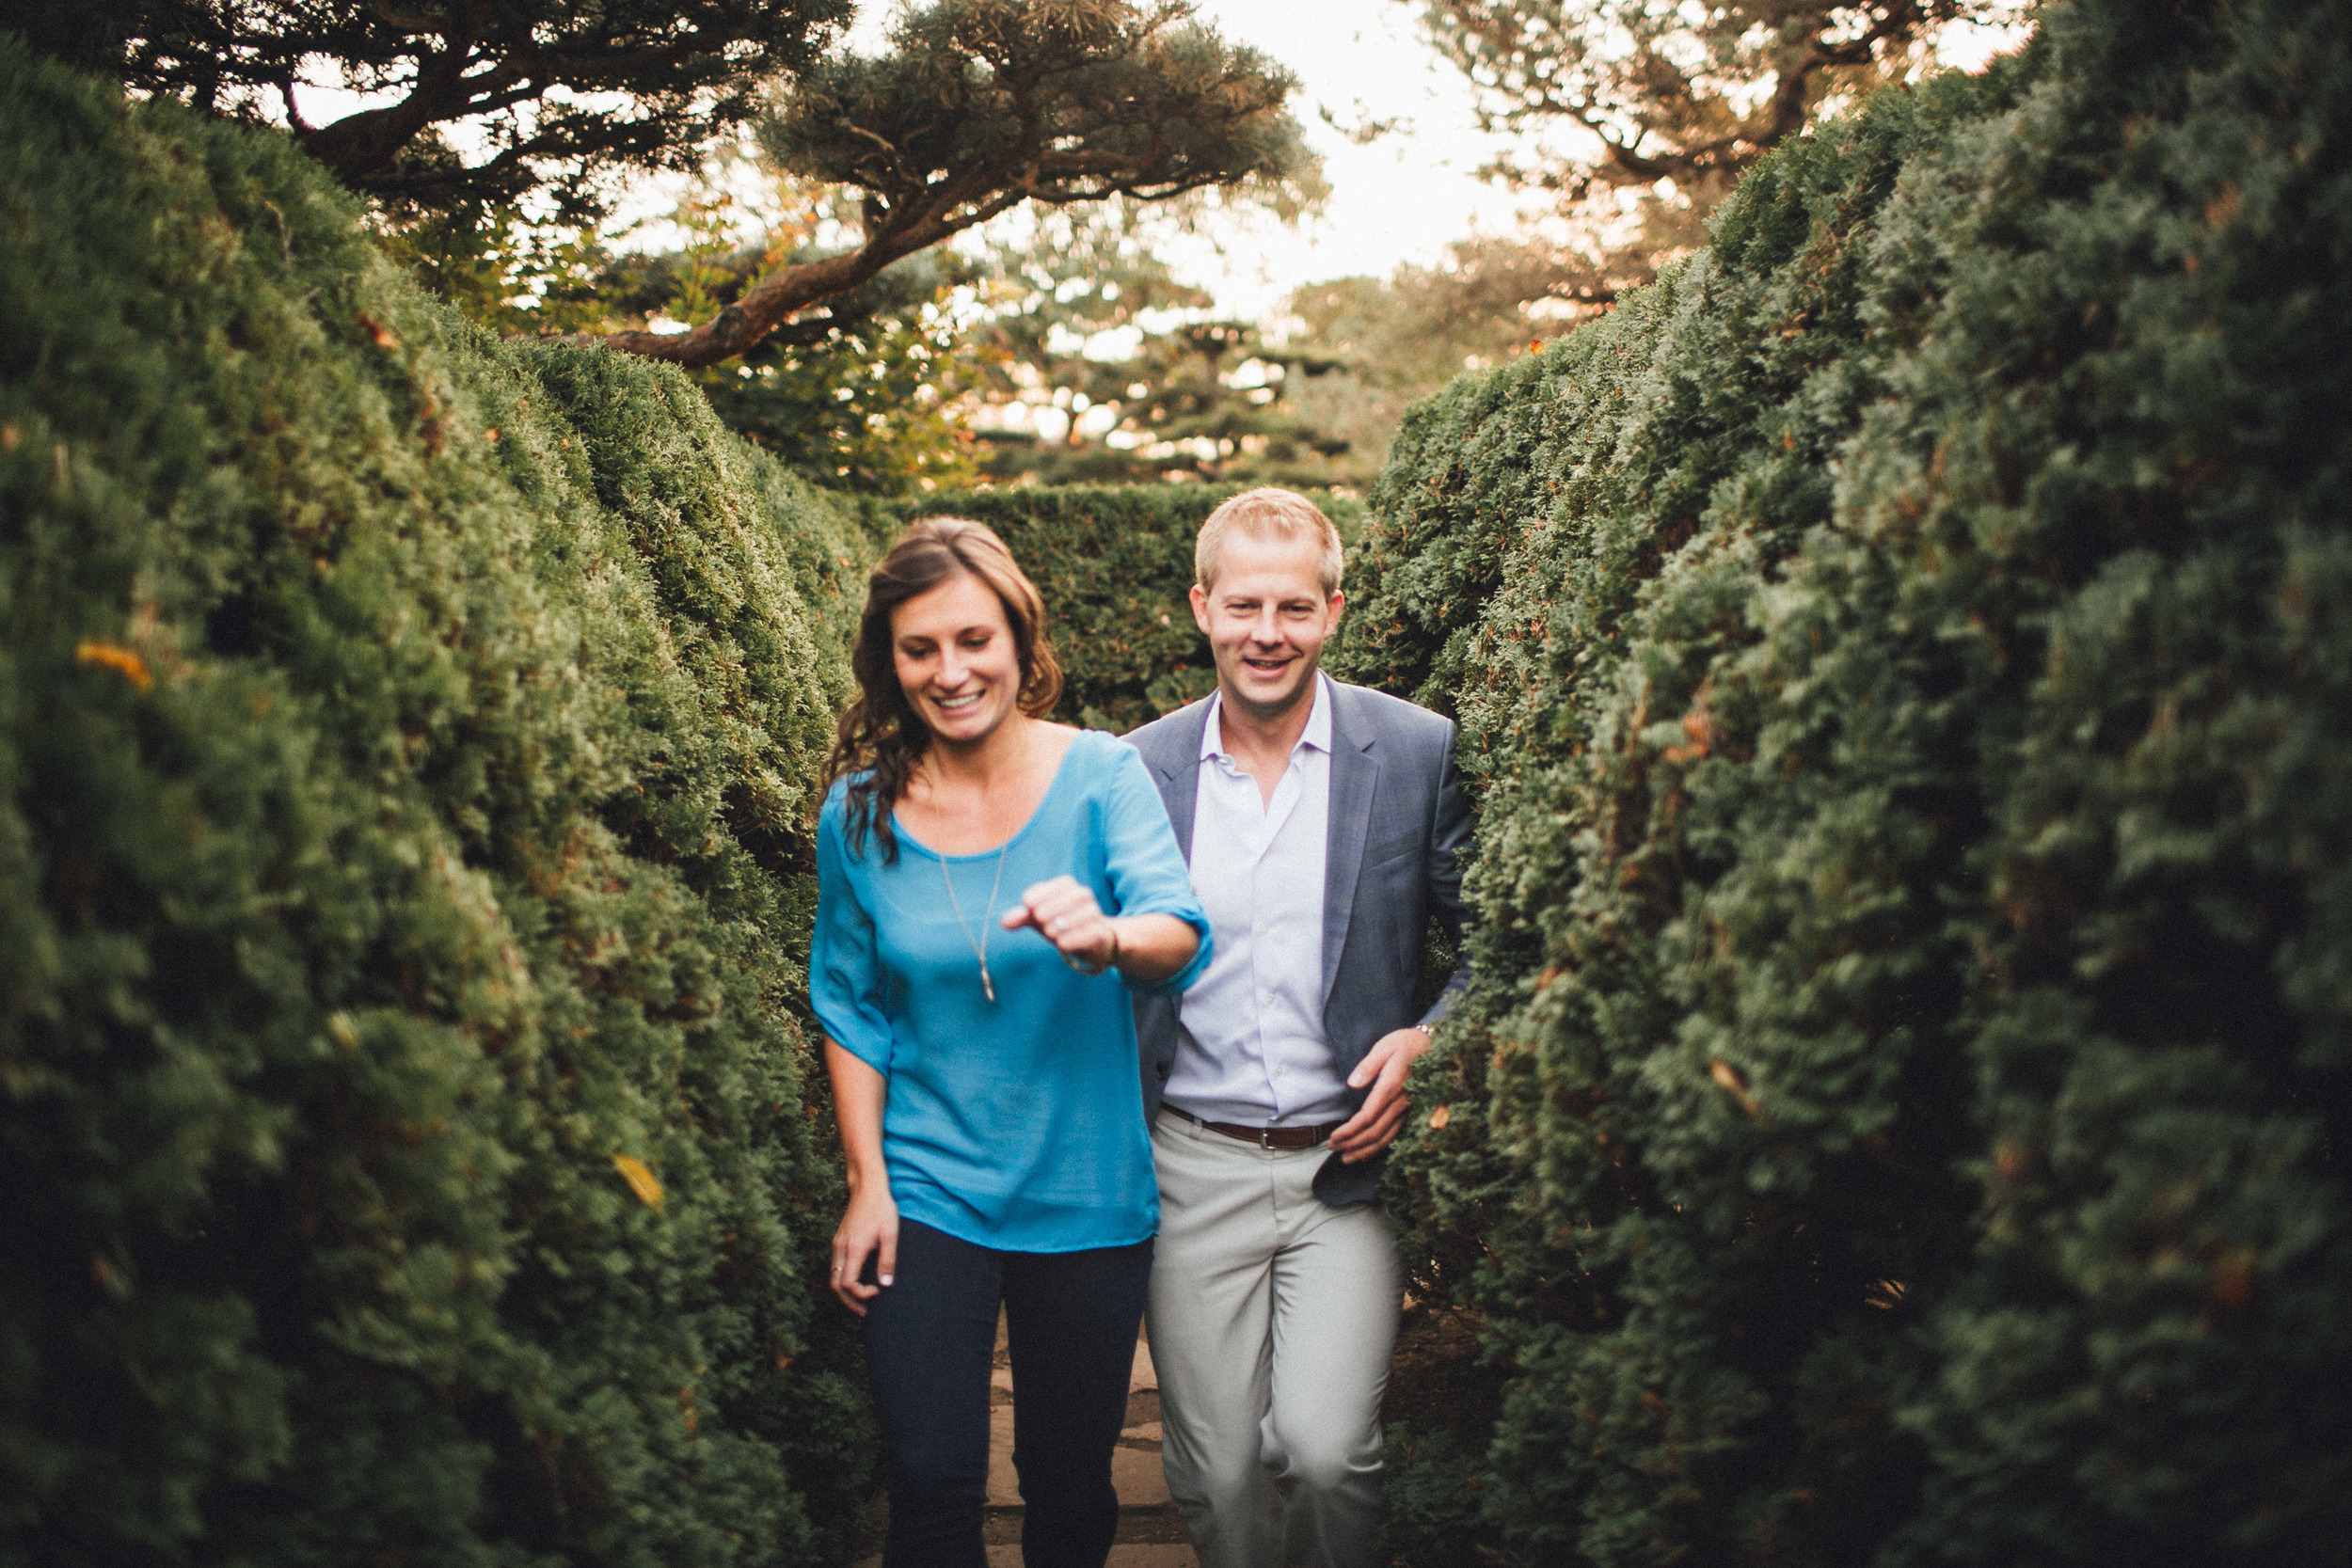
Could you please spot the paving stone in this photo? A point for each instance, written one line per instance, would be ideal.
(1136, 1473)
(1154, 1555)
(1145, 1508)
(1004, 1490)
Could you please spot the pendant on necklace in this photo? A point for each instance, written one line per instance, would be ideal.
(987, 986)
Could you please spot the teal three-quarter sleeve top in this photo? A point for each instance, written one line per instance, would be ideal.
(1015, 1124)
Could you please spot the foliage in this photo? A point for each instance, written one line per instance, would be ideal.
(407, 745)
(1694, 94)
(1203, 400)
(983, 105)
(1114, 565)
(562, 92)
(1085, 99)
(1664, 107)
(504, 268)
(1310, 404)
(870, 407)
(1903, 657)
(861, 395)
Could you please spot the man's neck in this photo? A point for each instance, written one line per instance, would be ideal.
(1260, 742)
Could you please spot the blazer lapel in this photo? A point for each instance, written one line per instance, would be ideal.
(1355, 775)
(1178, 766)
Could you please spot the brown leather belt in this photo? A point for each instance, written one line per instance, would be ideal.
(1265, 1138)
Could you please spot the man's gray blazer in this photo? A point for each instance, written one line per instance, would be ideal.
(1399, 832)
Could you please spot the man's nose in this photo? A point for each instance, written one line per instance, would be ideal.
(1265, 628)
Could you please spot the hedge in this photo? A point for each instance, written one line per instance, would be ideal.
(1113, 563)
(407, 747)
(1905, 657)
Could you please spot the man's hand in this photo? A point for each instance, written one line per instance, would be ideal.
(1384, 1066)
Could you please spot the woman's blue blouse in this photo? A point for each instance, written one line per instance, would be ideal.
(1016, 1124)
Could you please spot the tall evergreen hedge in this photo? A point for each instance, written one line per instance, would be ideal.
(406, 748)
(1906, 656)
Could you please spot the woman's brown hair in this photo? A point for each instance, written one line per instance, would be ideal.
(881, 737)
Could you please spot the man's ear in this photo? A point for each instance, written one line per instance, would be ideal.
(1331, 610)
(1199, 599)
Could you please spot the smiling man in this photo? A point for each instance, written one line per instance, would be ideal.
(1324, 827)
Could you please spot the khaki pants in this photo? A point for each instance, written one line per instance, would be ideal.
(1272, 1319)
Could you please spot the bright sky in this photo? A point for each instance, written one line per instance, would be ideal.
(1402, 198)
(1408, 193)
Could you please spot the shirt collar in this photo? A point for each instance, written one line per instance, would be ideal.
(1317, 733)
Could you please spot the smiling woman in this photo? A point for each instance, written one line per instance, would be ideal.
(984, 1068)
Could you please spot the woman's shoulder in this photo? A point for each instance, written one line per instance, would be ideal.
(1110, 772)
(833, 813)
(1101, 753)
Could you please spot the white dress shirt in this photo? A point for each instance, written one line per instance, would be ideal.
(1250, 1049)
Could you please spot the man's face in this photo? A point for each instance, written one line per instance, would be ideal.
(1266, 617)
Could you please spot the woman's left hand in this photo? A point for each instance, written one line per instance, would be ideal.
(1064, 913)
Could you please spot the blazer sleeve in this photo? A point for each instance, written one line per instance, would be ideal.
(1449, 853)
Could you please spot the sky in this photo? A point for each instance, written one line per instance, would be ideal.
(1403, 196)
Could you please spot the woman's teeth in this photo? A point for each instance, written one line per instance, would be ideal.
(953, 702)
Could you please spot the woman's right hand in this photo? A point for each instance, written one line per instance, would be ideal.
(869, 1225)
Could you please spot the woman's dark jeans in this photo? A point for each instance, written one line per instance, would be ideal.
(1071, 1320)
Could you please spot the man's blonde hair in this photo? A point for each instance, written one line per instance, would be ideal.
(1269, 511)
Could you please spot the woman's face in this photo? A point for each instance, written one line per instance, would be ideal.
(957, 661)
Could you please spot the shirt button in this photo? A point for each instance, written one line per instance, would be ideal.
(1280, 1070)
(1266, 1001)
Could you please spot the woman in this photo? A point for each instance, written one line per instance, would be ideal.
(984, 1065)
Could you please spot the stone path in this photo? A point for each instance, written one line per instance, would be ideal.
(1149, 1533)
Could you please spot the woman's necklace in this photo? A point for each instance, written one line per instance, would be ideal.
(979, 948)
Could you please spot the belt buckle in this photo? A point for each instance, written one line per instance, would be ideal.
(1265, 1139)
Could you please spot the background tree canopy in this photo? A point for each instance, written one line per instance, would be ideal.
(984, 104)
(563, 93)
(978, 106)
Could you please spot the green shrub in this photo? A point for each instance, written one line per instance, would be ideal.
(1893, 1117)
(1114, 563)
(406, 743)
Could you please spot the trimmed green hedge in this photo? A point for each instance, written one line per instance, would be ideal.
(406, 743)
(1114, 565)
(1907, 656)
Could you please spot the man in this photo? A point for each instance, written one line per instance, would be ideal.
(1323, 826)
